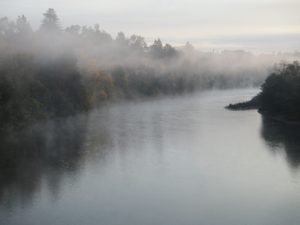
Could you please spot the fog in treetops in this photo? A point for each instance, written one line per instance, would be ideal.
(95, 50)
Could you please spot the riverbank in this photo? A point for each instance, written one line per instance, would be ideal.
(253, 104)
(279, 97)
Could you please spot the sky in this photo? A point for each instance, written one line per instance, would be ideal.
(257, 25)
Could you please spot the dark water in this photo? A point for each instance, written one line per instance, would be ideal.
(180, 161)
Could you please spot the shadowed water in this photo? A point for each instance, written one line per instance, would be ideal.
(183, 160)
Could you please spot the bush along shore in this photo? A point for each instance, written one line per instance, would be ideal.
(279, 97)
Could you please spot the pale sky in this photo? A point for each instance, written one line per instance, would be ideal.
(266, 25)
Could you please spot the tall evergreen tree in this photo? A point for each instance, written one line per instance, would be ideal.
(50, 22)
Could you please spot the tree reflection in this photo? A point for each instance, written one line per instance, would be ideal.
(283, 137)
(39, 155)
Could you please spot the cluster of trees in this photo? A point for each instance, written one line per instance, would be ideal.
(280, 94)
(31, 91)
(54, 72)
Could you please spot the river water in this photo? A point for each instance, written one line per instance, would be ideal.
(171, 161)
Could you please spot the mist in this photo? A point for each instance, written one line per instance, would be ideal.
(95, 49)
(137, 120)
(59, 71)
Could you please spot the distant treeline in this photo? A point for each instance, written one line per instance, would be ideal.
(279, 96)
(54, 72)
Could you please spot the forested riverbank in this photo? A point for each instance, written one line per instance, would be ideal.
(280, 95)
(54, 71)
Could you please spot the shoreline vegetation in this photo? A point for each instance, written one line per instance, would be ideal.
(57, 72)
(279, 98)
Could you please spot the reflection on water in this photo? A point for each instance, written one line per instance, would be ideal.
(283, 137)
(42, 154)
(173, 161)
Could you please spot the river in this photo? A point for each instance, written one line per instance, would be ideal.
(171, 161)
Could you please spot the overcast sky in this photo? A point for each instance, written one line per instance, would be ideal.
(266, 25)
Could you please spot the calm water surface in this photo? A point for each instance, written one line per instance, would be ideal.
(172, 161)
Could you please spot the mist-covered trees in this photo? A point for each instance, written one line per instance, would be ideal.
(58, 71)
(50, 22)
(157, 50)
(32, 91)
(23, 27)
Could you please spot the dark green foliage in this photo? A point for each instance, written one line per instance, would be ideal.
(281, 91)
(65, 93)
(30, 91)
(280, 95)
